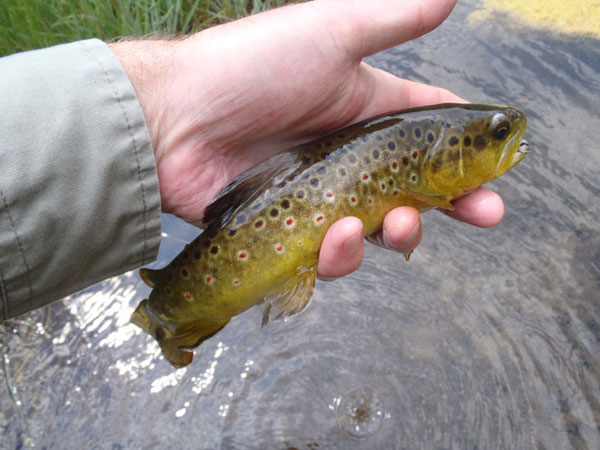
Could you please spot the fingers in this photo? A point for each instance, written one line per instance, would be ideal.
(342, 249)
(343, 246)
(482, 208)
(364, 28)
(401, 231)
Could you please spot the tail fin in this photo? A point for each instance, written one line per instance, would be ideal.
(174, 341)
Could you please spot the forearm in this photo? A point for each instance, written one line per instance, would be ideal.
(79, 198)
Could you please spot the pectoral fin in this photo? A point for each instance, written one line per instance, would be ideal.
(434, 200)
(291, 297)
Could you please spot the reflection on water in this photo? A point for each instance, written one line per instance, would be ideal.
(486, 339)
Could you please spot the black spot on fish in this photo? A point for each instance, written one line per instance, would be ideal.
(480, 142)
(214, 249)
(375, 154)
(418, 133)
(279, 185)
(436, 164)
(197, 254)
(379, 137)
(185, 273)
(314, 182)
(285, 203)
(212, 232)
(392, 145)
(240, 219)
(305, 160)
(342, 171)
(274, 212)
(321, 170)
(328, 144)
(391, 181)
(206, 244)
(352, 159)
(305, 175)
(324, 155)
(430, 137)
(405, 160)
(402, 134)
(342, 151)
(300, 194)
(231, 232)
(467, 141)
(453, 140)
(257, 205)
(367, 159)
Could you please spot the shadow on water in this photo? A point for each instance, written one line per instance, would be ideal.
(486, 339)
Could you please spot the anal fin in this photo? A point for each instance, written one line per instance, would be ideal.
(291, 297)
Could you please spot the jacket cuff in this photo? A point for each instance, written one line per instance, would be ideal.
(79, 196)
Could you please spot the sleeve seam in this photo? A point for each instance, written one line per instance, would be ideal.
(13, 228)
(135, 149)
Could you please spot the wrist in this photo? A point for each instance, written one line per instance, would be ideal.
(148, 65)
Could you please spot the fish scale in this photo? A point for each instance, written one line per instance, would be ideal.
(264, 231)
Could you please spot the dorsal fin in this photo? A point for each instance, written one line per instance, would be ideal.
(248, 185)
(292, 297)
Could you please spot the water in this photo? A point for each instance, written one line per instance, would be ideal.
(486, 339)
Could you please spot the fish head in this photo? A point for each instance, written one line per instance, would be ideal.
(477, 144)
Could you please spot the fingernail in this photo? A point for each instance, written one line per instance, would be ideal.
(353, 244)
(413, 234)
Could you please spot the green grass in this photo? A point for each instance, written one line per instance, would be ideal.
(29, 24)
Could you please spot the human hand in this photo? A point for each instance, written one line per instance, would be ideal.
(229, 97)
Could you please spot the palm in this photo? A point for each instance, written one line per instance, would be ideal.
(275, 80)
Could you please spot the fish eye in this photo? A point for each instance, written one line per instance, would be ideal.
(500, 127)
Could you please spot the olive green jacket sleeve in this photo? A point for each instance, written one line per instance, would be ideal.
(79, 197)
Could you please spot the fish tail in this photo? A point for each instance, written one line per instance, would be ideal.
(174, 345)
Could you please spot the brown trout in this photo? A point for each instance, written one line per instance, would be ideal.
(264, 230)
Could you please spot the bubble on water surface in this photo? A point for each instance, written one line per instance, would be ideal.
(361, 412)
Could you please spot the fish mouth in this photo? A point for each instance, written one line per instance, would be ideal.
(520, 153)
(510, 159)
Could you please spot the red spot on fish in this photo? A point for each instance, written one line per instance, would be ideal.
(319, 219)
(415, 154)
(370, 201)
(383, 186)
(188, 296)
(168, 308)
(289, 221)
(236, 281)
(353, 199)
(366, 176)
(243, 255)
(394, 165)
(330, 194)
(300, 243)
(280, 248)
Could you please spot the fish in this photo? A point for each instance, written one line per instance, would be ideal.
(263, 232)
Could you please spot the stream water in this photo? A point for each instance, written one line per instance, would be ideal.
(487, 339)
